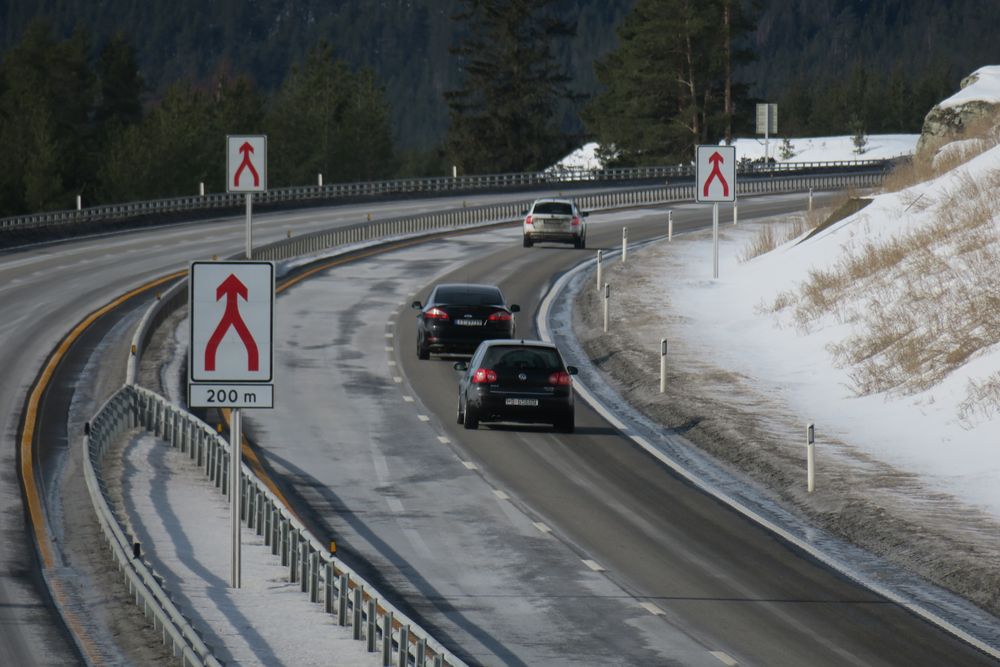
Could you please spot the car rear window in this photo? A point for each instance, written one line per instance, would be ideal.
(459, 296)
(553, 208)
(509, 357)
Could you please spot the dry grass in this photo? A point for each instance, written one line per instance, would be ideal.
(920, 304)
(773, 235)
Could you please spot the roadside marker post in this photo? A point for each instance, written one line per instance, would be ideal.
(607, 297)
(715, 182)
(670, 226)
(811, 457)
(735, 214)
(624, 244)
(600, 267)
(663, 365)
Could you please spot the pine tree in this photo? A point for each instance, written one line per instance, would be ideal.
(503, 115)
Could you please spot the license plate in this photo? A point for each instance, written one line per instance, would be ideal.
(530, 402)
(469, 323)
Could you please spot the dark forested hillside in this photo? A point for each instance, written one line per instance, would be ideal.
(405, 42)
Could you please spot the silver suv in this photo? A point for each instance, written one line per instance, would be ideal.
(555, 220)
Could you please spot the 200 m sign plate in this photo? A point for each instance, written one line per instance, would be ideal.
(231, 395)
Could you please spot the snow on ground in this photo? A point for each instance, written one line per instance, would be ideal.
(920, 433)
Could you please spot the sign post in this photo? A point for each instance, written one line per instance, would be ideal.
(231, 314)
(716, 182)
(246, 172)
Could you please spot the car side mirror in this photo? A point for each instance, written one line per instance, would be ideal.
(416, 304)
(461, 366)
(572, 370)
(514, 308)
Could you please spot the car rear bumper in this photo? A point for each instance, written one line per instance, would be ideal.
(494, 408)
(562, 237)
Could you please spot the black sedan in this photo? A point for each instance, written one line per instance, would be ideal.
(521, 381)
(458, 317)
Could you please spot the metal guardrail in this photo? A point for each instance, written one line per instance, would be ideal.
(320, 574)
(438, 185)
(344, 593)
(497, 213)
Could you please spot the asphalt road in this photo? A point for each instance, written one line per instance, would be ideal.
(45, 289)
(707, 575)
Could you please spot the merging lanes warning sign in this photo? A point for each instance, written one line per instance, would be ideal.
(716, 174)
(231, 306)
(246, 163)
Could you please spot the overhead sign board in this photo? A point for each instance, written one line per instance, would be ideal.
(716, 174)
(231, 308)
(246, 163)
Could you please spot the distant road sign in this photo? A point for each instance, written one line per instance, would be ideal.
(232, 321)
(246, 163)
(767, 119)
(716, 169)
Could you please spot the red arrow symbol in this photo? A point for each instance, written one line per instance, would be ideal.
(232, 288)
(716, 160)
(246, 149)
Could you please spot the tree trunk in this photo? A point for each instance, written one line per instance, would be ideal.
(728, 50)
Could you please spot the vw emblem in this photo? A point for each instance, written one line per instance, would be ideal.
(468, 315)
(522, 376)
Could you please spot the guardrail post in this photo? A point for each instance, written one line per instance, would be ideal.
(404, 646)
(342, 593)
(371, 621)
(328, 587)
(356, 614)
(314, 577)
(305, 547)
(293, 556)
(387, 639)
(284, 543)
(422, 652)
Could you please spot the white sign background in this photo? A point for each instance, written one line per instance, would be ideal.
(207, 312)
(728, 169)
(234, 159)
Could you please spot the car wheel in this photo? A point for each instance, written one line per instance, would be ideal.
(566, 424)
(527, 241)
(461, 415)
(470, 420)
(422, 352)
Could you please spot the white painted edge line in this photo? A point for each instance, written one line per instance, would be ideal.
(397, 379)
(652, 609)
(423, 418)
(593, 565)
(724, 658)
(544, 333)
(408, 399)
(542, 528)
(500, 494)
(470, 465)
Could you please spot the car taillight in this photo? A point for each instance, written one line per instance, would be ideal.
(484, 375)
(527, 220)
(576, 221)
(500, 316)
(436, 314)
(560, 379)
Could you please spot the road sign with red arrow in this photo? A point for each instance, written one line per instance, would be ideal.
(246, 163)
(232, 321)
(716, 174)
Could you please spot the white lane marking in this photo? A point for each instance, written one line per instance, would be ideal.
(443, 440)
(500, 494)
(397, 379)
(724, 658)
(542, 527)
(392, 363)
(381, 468)
(388, 348)
(395, 504)
(470, 465)
(408, 399)
(423, 418)
(593, 565)
(652, 609)
(388, 335)
(418, 542)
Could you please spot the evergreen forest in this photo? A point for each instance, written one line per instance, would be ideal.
(119, 101)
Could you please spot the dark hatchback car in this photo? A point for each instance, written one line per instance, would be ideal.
(458, 317)
(522, 381)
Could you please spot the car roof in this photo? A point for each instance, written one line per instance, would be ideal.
(556, 200)
(517, 342)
